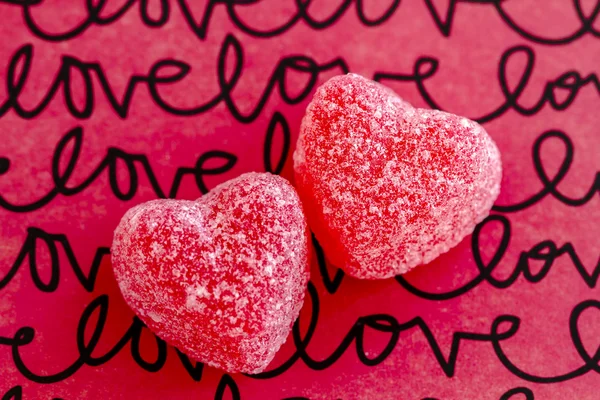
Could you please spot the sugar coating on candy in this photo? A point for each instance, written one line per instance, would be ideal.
(386, 186)
(221, 278)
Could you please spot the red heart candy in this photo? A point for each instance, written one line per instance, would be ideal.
(386, 186)
(221, 278)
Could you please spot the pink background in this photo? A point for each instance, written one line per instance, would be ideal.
(466, 83)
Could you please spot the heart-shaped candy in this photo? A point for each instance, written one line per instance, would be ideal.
(386, 186)
(221, 278)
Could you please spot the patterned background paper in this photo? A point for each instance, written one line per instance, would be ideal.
(105, 104)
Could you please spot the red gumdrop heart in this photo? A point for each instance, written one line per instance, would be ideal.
(221, 278)
(386, 186)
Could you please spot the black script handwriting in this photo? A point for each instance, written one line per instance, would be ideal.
(570, 82)
(515, 392)
(550, 184)
(94, 16)
(379, 322)
(587, 26)
(590, 362)
(115, 156)
(268, 148)
(445, 25)
(16, 393)
(546, 251)
(331, 285)
(52, 242)
(356, 336)
(503, 328)
(99, 306)
(385, 324)
(558, 93)
(74, 138)
(227, 382)
(162, 72)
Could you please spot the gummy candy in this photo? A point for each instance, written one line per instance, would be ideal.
(221, 278)
(386, 186)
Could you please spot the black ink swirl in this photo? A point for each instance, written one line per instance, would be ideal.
(503, 328)
(231, 53)
(546, 251)
(586, 26)
(16, 393)
(515, 392)
(52, 243)
(200, 29)
(378, 322)
(570, 81)
(550, 184)
(115, 156)
(277, 120)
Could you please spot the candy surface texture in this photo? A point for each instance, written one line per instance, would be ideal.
(221, 278)
(386, 186)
